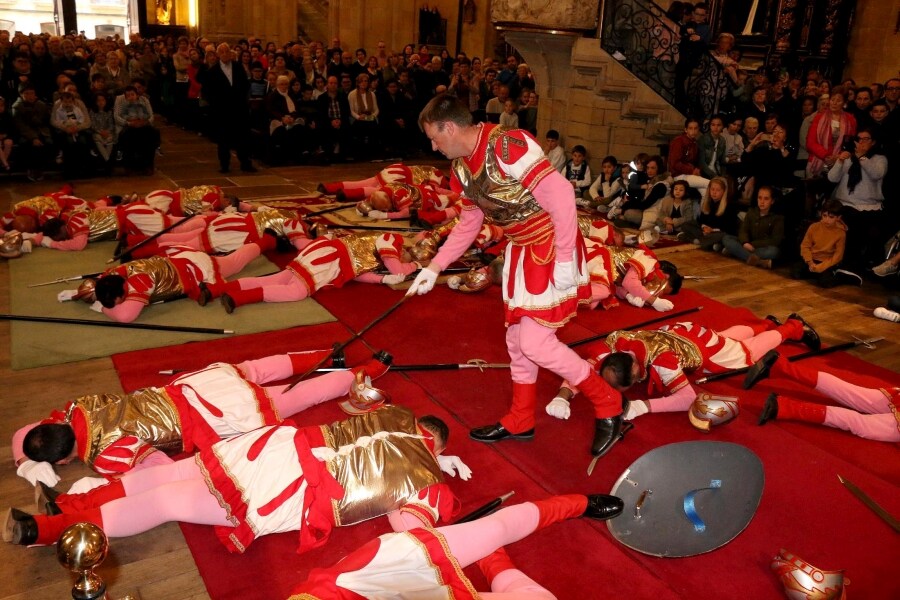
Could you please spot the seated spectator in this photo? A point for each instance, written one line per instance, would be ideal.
(767, 161)
(528, 112)
(72, 122)
(647, 186)
(7, 135)
(555, 152)
(103, 130)
(578, 172)
(683, 151)
(758, 107)
(827, 134)
(509, 117)
(734, 142)
(494, 107)
(334, 115)
(675, 210)
(822, 248)
(716, 218)
(607, 187)
(138, 138)
(712, 149)
(32, 120)
(751, 129)
(117, 78)
(859, 176)
(761, 233)
(286, 128)
(364, 116)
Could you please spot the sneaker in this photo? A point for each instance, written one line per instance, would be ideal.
(886, 268)
(888, 315)
(850, 276)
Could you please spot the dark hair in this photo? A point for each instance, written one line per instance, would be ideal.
(618, 367)
(833, 206)
(610, 159)
(49, 442)
(445, 108)
(690, 120)
(675, 278)
(685, 185)
(109, 289)
(552, 134)
(579, 148)
(436, 426)
(53, 227)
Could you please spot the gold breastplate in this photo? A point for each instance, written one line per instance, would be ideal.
(363, 257)
(503, 200)
(38, 204)
(272, 219)
(147, 414)
(379, 476)
(102, 225)
(166, 282)
(658, 342)
(415, 194)
(423, 174)
(193, 199)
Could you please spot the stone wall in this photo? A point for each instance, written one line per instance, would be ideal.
(874, 53)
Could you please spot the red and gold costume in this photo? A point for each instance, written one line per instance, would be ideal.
(185, 202)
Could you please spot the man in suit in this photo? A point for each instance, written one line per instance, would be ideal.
(226, 88)
(334, 114)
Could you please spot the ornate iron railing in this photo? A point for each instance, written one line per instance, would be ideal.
(644, 40)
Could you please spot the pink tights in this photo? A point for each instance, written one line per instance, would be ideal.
(192, 239)
(871, 415)
(237, 260)
(532, 345)
(173, 492)
(280, 287)
(473, 541)
(186, 224)
(758, 344)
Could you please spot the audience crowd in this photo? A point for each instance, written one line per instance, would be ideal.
(748, 182)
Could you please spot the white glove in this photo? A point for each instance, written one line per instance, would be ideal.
(229, 210)
(662, 305)
(28, 236)
(424, 282)
(66, 295)
(635, 409)
(634, 300)
(97, 307)
(630, 240)
(26, 247)
(377, 214)
(86, 484)
(559, 408)
(46, 242)
(564, 275)
(449, 465)
(38, 471)
(393, 279)
(454, 282)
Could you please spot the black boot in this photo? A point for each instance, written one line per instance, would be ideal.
(810, 338)
(774, 319)
(760, 369)
(45, 499)
(204, 296)
(602, 507)
(19, 528)
(770, 410)
(606, 433)
(228, 302)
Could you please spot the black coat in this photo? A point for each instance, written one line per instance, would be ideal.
(228, 102)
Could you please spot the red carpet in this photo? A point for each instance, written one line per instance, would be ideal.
(803, 509)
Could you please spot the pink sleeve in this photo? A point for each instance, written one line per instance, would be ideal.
(18, 442)
(555, 195)
(77, 243)
(461, 237)
(632, 285)
(369, 278)
(126, 312)
(400, 214)
(398, 267)
(680, 400)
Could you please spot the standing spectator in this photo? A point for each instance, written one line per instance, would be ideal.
(509, 71)
(683, 151)
(225, 87)
(822, 248)
(334, 114)
(859, 175)
(395, 120)
(32, 119)
(827, 134)
(693, 43)
(712, 149)
(556, 154)
(578, 172)
(759, 238)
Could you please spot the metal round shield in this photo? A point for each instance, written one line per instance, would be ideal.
(687, 498)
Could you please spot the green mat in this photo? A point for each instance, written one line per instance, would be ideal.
(42, 344)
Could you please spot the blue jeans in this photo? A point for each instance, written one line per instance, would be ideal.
(737, 249)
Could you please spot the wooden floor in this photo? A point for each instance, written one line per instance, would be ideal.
(157, 565)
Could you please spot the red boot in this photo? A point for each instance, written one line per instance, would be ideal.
(21, 528)
(70, 503)
(235, 297)
(378, 366)
(792, 410)
(495, 563)
(301, 362)
(518, 424)
(331, 188)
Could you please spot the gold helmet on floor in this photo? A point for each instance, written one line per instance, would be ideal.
(364, 397)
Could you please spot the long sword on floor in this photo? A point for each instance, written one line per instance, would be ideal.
(337, 349)
(830, 349)
(62, 321)
(120, 253)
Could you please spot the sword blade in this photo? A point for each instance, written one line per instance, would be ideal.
(871, 504)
